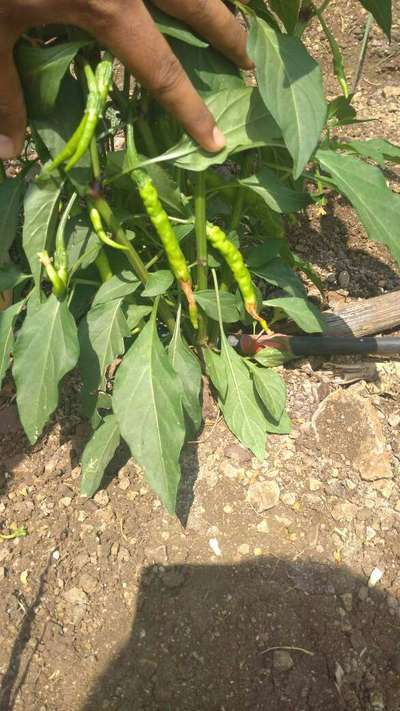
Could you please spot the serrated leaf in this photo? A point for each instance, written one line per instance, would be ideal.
(301, 311)
(147, 401)
(101, 337)
(7, 320)
(216, 371)
(271, 389)
(187, 366)
(40, 209)
(98, 453)
(117, 287)
(382, 12)
(158, 283)
(278, 273)
(279, 197)
(11, 194)
(292, 89)
(364, 186)
(206, 299)
(47, 342)
(241, 411)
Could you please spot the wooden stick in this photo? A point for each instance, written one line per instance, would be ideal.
(365, 318)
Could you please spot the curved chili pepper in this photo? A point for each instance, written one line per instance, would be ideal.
(241, 274)
(57, 282)
(97, 224)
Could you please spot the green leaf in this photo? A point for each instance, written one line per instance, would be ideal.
(7, 320)
(272, 357)
(117, 287)
(134, 313)
(308, 270)
(301, 311)
(279, 197)
(98, 453)
(364, 186)
(207, 300)
(187, 366)
(241, 411)
(11, 194)
(10, 277)
(284, 426)
(40, 208)
(41, 71)
(278, 273)
(208, 70)
(263, 253)
(101, 337)
(245, 122)
(46, 349)
(291, 89)
(158, 283)
(382, 12)
(271, 389)
(287, 11)
(173, 28)
(147, 401)
(216, 371)
(378, 149)
(81, 243)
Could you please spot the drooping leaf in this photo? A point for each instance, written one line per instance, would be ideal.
(284, 426)
(173, 28)
(287, 11)
(101, 337)
(147, 401)
(11, 276)
(7, 320)
(302, 311)
(241, 411)
(272, 390)
(98, 453)
(279, 197)
(46, 349)
(242, 117)
(278, 273)
(364, 186)
(378, 149)
(42, 70)
(206, 299)
(291, 89)
(187, 366)
(158, 283)
(40, 208)
(216, 371)
(117, 287)
(382, 12)
(11, 194)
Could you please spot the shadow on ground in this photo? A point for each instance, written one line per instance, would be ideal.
(204, 637)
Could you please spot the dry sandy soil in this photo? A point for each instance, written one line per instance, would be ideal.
(257, 597)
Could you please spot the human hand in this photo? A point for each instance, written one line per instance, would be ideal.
(127, 29)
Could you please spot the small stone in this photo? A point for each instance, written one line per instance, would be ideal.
(397, 505)
(391, 91)
(82, 515)
(124, 484)
(238, 454)
(229, 470)
(228, 509)
(394, 420)
(347, 600)
(385, 487)
(263, 527)
(76, 596)
(101, 498)
(257, 551)
(344, 510)
(363, 593)
(370, 533)
(375, 577)
(314, 484)
(344, 279)
(289, 499)
(377, 701)
(282, 661)
(244, 549)
(2, 572)
(65, 502)
(114, 549)
(123, 555)
(215, 547)
(88, 583)
(56, 555)
(263, 495)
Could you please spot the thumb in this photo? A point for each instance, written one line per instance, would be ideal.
(12, 109)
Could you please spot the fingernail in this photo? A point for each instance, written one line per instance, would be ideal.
(6, 148)
(219, 138)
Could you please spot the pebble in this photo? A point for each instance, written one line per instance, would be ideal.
(289, 499)
(263, 527)
(363, 593)
(282, 661)
(229, 470)
(215, 547)
(344, 279)
(394, 420)
(88, 583)
(314, 484)
(124, 484)
(385, 487)
(75, 596)
(370, 533)
(2, 572)
(101, 498)
(391, 91)
(65, 501)
(56, 555)
(244, 549)
(263, 495)
(375, 577)
(228, 509)
(347, 600)
(344, 510)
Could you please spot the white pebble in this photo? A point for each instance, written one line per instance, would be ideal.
(214, 545)
(375, 577)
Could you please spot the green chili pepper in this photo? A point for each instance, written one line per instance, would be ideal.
(60, 253)
(100, 232)
(235, 261)
(57, 282)
(68, 150)
(166, 233)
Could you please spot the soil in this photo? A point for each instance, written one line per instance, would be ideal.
(278, 587)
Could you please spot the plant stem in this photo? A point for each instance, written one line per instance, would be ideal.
(201, 245)
(363, 55)
(94, 157)
(3, 175)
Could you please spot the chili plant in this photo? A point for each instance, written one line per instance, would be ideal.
(139, 250)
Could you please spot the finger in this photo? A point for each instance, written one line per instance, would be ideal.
(133, 37)
(12, 109)
(213, 20)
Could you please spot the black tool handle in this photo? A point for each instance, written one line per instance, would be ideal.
(344, 345)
